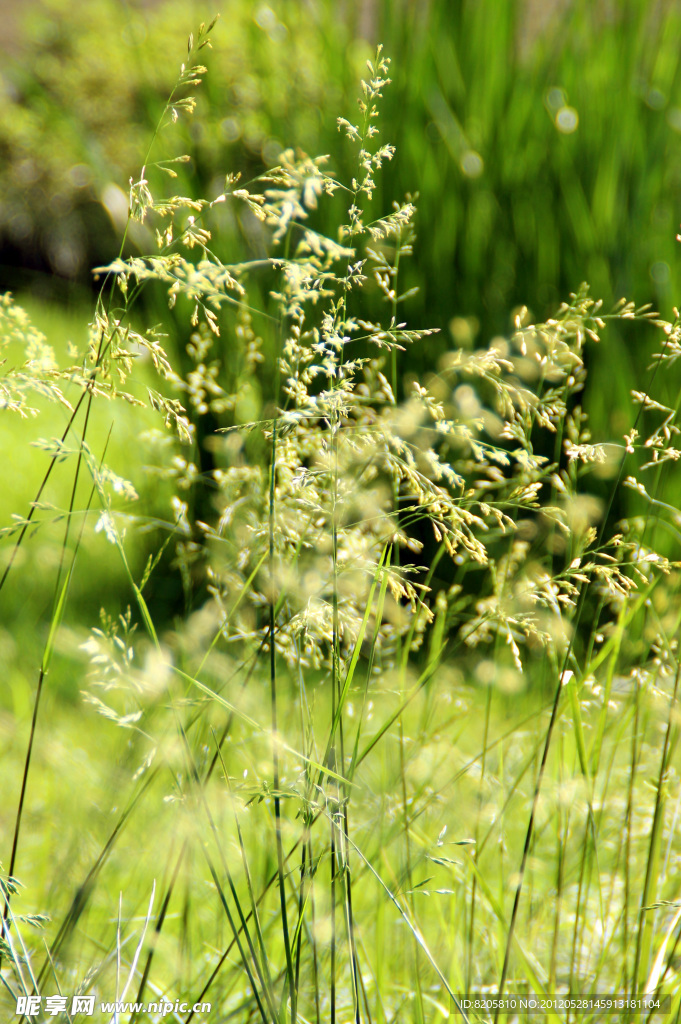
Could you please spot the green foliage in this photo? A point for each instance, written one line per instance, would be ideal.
(545, 144)
(344, 784)
(508, 121)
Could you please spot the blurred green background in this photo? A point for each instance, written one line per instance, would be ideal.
(543, 138)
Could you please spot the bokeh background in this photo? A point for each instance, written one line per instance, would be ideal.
(543, 140)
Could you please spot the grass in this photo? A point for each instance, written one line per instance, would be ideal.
(531, 208)
(406, 730)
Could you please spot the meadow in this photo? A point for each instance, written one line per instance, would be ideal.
(340, 593)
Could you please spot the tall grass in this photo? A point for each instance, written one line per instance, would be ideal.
(411, 733)
(508, 123)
